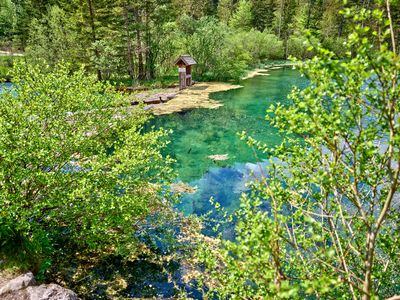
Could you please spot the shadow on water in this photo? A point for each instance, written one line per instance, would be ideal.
(140, 279)
(157, 272)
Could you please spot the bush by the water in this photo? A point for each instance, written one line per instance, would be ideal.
(76, 170)
(6, 65)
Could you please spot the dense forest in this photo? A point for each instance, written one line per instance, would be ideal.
(139, 40)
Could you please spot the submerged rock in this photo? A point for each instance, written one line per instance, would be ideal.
(183, 188)
(256, 72)
(219, 157)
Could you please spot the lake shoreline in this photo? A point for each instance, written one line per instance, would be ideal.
(264, 71)
(196, 96)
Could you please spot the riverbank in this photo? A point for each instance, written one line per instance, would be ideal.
(265, 70)
(171, 100)
(196, 96)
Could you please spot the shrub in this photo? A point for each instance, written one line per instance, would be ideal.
(258, 45)
(297, 46)
(6, 65)
(273, 47)
(336, 45)
(223, 53)
(219, 57)
(75, 167)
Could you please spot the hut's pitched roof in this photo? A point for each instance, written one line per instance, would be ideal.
(187, 60)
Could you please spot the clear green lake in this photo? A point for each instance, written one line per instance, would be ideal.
(200, 133)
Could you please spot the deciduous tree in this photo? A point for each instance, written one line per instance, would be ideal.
(324, 220)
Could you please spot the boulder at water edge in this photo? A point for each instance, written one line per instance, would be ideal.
(23, 288)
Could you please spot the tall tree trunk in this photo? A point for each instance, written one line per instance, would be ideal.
(150, 68)
(139, 48)
(281, 15)
(150, 65)
(94, 36)
(310, 6)
(128, 42)
(286, 45)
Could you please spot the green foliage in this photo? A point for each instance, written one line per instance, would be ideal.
(108, 60)
(298, 46)
(225, 10)
(76, 169)
(194, 8)
(263, 12)
(336, 45)
(53, 38)
(242, 18)
(259, 45)
(168, 49)
(139, 39)
(324, 222)
(232, 50)
(227, 60)
(8, 18)
(6, 65)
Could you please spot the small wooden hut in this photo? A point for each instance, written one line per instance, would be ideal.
(185, 63)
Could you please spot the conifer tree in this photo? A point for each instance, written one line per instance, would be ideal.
(242, 18)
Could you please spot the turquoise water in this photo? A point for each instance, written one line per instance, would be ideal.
(4, 85)
(200, 133)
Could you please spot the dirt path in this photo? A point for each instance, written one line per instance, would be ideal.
(6, 53)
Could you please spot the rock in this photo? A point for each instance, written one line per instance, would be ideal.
(150, 106)
(21, 282)
(50, 292)
(219, 157)
(256, 72)
(171, 96)
(23, 288)
(183, 188)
